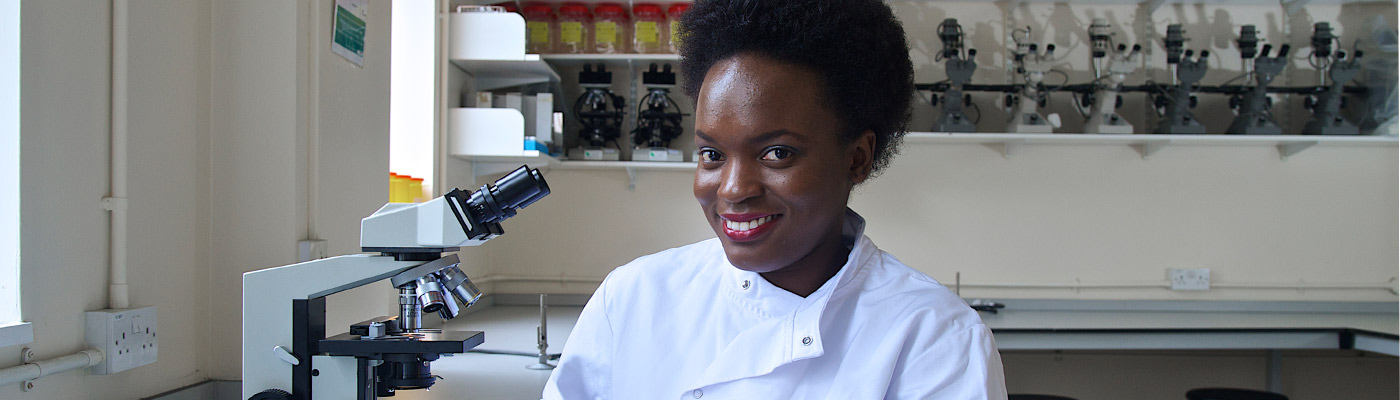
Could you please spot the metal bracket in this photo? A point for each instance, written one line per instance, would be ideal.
(1286, 150)
(27, 356)
(1006, 148)
(1147, 149)
(631, 179)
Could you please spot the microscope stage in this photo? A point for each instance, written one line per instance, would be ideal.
(431, 342)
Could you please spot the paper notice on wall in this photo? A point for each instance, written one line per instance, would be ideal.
(349, 30)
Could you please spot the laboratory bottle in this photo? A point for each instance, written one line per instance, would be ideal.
(648, 29)
(575, 29)
(610, 29)
(539, 28)
(673, 15)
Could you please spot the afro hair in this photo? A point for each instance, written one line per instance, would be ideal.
(857, 46)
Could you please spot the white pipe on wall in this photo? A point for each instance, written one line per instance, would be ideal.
(42, 368)
(117, 202)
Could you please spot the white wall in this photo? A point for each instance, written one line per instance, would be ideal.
(65, 123)
(276, 87)
(1050, 214)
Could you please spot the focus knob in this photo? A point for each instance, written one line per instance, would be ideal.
(272, 394)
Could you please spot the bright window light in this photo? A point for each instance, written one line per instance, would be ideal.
(9, 161)
(412, 80)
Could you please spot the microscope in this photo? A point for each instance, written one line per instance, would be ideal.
(1326, 106)
(959, 65)
(657, 124)
(1103, 117)
(286, 353)
(1175, 106)
(601, 123)
(1032, 65)
(1252, 107)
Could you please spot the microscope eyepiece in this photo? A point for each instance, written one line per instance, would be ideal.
(495, 203)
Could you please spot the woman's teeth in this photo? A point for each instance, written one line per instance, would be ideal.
(746, 225)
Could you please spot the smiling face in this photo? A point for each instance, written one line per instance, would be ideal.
(774, 175)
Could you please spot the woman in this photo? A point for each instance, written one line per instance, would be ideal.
(797, 102)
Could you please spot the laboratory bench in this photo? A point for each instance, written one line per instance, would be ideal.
(1020, 325)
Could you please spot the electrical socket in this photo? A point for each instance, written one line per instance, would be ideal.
(128, 337)
(1189, 278)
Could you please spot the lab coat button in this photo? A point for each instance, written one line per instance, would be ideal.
(745, 285)
(807, 341)
(697, 393)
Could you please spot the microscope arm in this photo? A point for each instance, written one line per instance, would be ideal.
(268, 308)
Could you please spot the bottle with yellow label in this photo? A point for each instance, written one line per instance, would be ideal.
(649, 31)
(673, 15)
(540, 28)
(575, 29)
(611, 30)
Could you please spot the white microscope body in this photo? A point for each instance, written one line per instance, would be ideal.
(1032, 65)
(1103, 117)
(286, 352)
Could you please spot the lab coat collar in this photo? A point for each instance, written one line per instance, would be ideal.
(797, 320)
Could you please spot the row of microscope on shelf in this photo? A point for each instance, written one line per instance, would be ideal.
(1097, 101)
(600, 113)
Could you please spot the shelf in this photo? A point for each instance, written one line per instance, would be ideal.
(496, 74)
(630, 59)
(1147, 144)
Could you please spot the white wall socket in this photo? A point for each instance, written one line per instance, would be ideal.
(128, 337)
(1189, 278)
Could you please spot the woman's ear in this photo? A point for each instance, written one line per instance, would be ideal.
(862, 156)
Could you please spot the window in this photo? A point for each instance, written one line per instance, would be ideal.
(412, 79)
(11, 331)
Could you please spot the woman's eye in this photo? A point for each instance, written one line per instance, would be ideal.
(710, 156)
(776, 154)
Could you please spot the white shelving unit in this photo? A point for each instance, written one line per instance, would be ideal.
(1146, 144)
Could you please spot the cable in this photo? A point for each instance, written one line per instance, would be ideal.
(552, 356)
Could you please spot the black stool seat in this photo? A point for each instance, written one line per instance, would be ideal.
(1232, 394)
(1036, 397)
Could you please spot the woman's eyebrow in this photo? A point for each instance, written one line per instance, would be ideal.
(763, 137)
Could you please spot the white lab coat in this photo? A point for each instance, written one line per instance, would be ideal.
(686, 324)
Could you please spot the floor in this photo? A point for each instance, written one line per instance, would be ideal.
(488, 376)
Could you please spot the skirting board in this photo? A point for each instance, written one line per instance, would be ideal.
(207, 390)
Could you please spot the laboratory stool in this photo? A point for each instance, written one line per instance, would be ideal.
(1232, 394)
(1036, 397)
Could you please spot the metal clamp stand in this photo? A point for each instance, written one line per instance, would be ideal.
(1175, 107)
(959, 66)
(1033, 66)
(542, 338)
(1253, 116)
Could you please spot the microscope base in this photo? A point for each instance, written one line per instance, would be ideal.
(1341, 128)
(1253, 125)
(954, 123)
(658, 154)
(1188, 125)
(594, 154)
(1029, 123)
(1108, 124)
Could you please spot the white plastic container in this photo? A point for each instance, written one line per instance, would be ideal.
(486, 33)
(486, 132)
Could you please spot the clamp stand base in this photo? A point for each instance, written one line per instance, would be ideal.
(540, 367)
